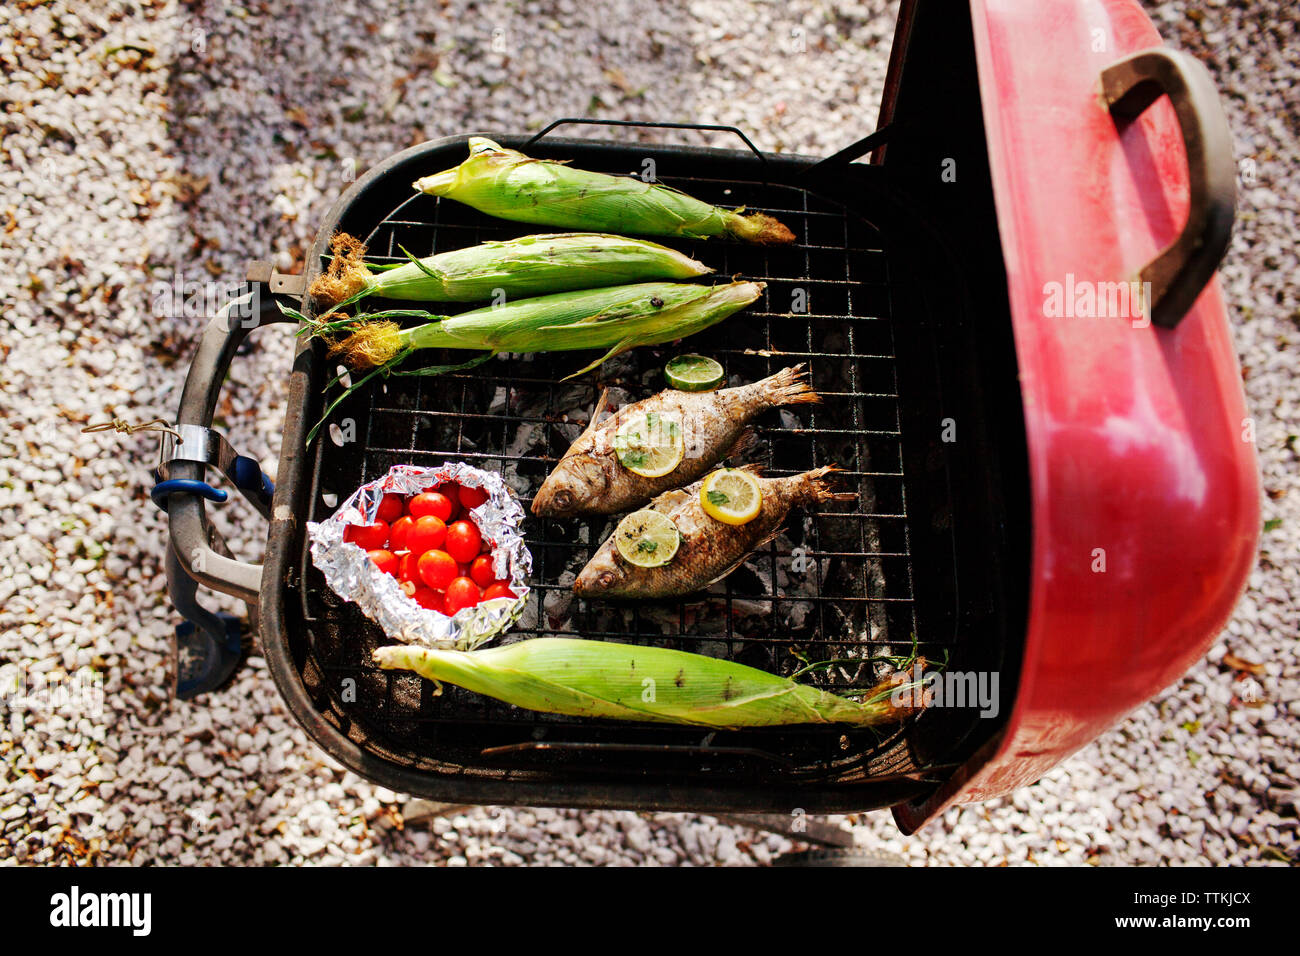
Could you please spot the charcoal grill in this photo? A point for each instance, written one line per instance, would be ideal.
(913, 294)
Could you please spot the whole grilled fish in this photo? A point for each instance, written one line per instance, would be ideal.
(709, 549)
(590, 480)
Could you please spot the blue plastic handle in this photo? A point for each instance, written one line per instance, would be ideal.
(248, 476)
(160, 491)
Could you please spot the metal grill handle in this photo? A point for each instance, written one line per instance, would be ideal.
(701, 127)
(186, 515)
(1183, 268)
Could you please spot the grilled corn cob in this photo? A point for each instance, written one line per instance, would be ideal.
(507, 184)
(627, 682)
(531, 265)
(617, 319)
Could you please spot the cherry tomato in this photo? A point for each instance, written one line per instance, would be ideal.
(407, 568)
(497, 589)
(391, 508)
(384, 560)
(451, 491)
(398, 532)
(463, 540)
(426, 534)
(480, 569)
(369, 536)
(432, 503)
(430, 599)
(461, 593)
(437, 569)
(472, 497)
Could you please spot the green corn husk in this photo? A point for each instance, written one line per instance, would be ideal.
(625, 682)
(515, 268)
(507, 184)
(615, 319)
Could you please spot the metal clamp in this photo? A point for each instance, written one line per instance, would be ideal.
(280, 283)
(198, 443)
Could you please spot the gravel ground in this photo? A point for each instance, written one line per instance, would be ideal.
(143, 140)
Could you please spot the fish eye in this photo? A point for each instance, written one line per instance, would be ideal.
(607, 578)
(564, 499)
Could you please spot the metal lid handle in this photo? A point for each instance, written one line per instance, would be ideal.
(1183, 268)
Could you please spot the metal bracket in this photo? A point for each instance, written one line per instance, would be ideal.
(207, 446)
(259, 270)
(194, 443)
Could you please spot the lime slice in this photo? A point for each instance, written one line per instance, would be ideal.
(693, 373)
(649, 444)
(647, 538)
(732, 496)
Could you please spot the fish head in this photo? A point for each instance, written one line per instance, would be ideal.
(577, 483)
(605, 575)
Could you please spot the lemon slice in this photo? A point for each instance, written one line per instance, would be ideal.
(649, 445)
(732, 496)
(693, 373)
(647, 538)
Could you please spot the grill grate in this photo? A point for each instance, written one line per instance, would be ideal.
(836, 587)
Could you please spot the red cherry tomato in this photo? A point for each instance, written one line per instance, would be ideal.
(384, 560)
(370, 537)
(398, 532)
(462, 593)
(391, 508)
(432, 503)
(408, 568)
(463, 540)
(426, 534)
(451, 491)
(437, 569)
(472, 497)
(480, 569)
(430, 599)
(497, 589)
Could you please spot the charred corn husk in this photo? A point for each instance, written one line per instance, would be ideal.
(626, 682)
(515, 268)
(616, 319)
(507, 184)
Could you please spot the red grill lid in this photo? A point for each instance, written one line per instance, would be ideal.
(1145, 496)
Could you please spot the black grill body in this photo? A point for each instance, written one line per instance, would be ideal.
(882, 314)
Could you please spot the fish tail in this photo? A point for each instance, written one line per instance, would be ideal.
(789, 387)
(819, 487)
